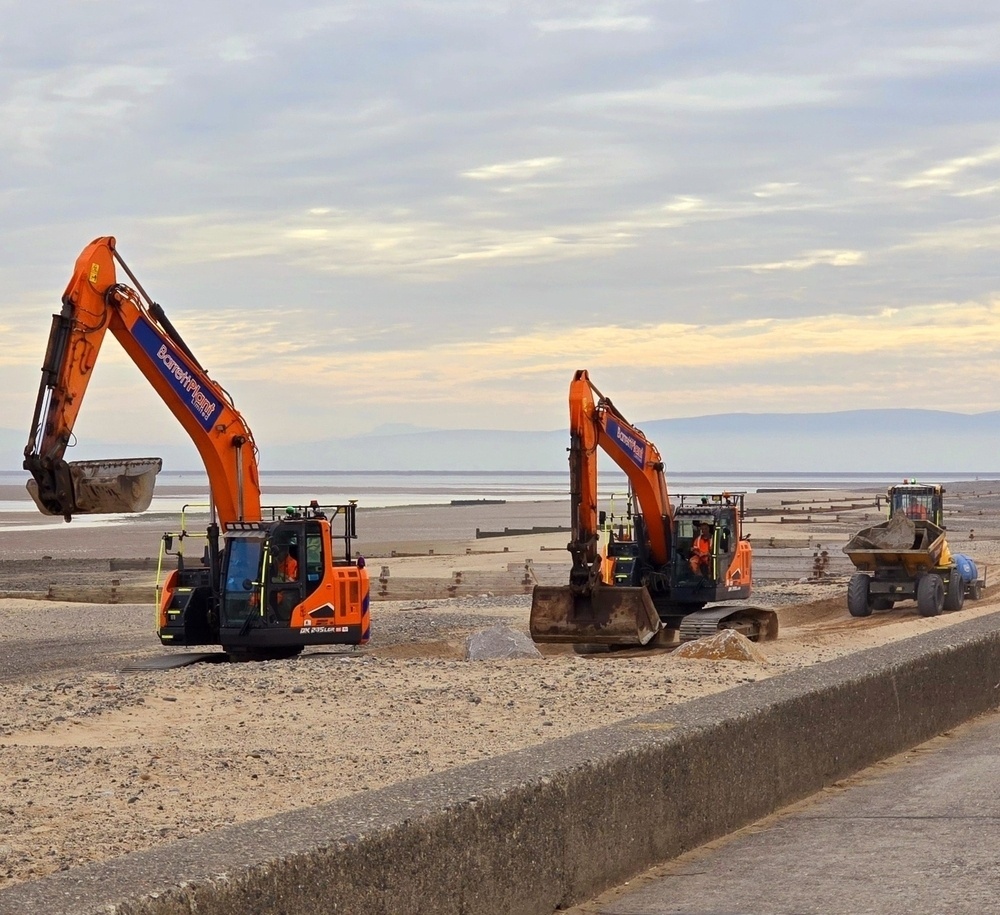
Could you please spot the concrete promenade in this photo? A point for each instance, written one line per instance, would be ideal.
(555, 825)
(917, 835)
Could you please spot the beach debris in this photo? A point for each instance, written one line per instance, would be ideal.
(499, 643)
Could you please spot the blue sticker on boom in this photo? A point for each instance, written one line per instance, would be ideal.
(176, 370)
(626, 440)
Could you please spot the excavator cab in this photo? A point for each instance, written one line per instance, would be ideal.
(726, 573)
(283, 584)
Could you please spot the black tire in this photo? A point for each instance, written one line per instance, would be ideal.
(930, 595)
(975, 590)
(858, 589)
(882, 603)
(954, 598)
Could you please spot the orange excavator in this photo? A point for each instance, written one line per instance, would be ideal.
(241, 596)
(670, 574)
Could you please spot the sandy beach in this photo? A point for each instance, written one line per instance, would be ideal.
(98, 760)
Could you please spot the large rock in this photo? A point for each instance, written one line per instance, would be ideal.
(498, 643)
(725, 645)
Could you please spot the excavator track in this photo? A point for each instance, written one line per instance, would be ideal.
(758, 624)
(172, 661)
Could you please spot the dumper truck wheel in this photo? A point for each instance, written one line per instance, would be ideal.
(930, 595)
(858, 589)
(975, 590)
(955, 596)
(882, 603)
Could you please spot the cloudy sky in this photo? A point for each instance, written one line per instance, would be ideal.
(433, 211)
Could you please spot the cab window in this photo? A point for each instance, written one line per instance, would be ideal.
(315, 561)
(243, 559)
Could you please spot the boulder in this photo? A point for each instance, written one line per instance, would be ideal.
(499, 643)
(724, 645)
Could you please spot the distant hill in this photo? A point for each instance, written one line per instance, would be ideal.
(852, 441)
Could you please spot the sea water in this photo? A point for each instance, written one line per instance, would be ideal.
(381, 489)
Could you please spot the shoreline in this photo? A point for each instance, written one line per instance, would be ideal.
(517, 526)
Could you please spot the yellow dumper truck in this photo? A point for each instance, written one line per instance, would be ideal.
(907, 557)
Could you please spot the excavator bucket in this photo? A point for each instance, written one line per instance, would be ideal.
(101, 487)
(607, 615)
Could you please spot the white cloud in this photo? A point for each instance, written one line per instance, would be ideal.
(238, 49)
(599, 23)
(964, 238)
(728, 91)
(115, 79)
(769, 355)
(945, 175)
(525, 168)
(811, 259)
(913, 52)
(775, 189)
(520, 174)
(72, 105)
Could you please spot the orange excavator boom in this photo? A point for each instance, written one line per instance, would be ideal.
(646, 586)
(94, 303)
(239, 598)
(588, 610)
(598, 424)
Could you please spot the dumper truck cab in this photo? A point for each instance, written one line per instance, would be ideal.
(917, 501)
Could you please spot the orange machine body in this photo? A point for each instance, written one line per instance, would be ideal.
(640, 580)
(197, 605)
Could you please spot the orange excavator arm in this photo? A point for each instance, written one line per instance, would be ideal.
(638, 595)
(94, 303)
(598, 424)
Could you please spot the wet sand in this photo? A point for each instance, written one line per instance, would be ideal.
(31, 535)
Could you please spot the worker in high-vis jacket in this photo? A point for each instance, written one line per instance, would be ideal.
(701, 552)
